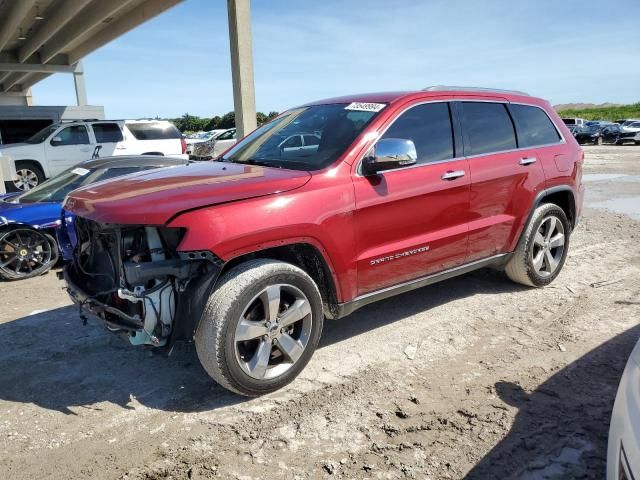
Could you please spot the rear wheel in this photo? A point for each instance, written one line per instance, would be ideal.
(26, 253)
(599, 141)
(260, 327)
(542, 249)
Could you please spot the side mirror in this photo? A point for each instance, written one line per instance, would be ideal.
(389, 153)
(57, 140)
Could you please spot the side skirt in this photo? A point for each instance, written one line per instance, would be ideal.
(347, 308)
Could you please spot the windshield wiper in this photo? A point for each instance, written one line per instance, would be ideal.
(262, 163)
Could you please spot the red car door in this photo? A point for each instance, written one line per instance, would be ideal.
(412, 221)
(504, 178)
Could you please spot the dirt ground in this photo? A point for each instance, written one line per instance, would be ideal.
(475, 377)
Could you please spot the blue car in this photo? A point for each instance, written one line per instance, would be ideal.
(30, 221)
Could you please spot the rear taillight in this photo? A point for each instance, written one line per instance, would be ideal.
(183, 142)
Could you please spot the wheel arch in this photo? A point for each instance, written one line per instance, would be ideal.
(37, 163)
(304, 255)
(561, 195)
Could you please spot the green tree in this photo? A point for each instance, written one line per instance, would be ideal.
(228, 120)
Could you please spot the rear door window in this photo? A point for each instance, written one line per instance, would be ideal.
(429, 127)
(488, 127)
(107, 132)
(534, 126)
(153, 131)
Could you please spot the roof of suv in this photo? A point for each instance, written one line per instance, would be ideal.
(436, 91)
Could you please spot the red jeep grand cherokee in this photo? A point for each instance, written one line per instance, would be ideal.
(329, 207)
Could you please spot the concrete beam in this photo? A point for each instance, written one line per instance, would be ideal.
(90, 17)
(12, 21)
(32, 78)
(244, 98)
(13, 79)
(81, 90)
(132, 19)
(58, 19)
(35, 67)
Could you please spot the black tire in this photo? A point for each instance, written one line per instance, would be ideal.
(599, 141)
(30, 169)
(41, 253)
(522, 266)
(225, 358)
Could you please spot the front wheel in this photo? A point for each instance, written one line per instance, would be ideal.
(542, 249)
(599, 141)
(26, 253)
(29, 175)
(260, 327)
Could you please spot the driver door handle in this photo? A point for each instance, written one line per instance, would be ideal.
(528, 160)
(452, 175)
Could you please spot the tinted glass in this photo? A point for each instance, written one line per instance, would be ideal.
(336, 124)
(74, 135)
(57, 188)
(43, 134)
(292, 142)
(488, 127)
(429, 127)
(231, 134)
(107, 132)
(534, 126)
(310, 140)
(153, 131)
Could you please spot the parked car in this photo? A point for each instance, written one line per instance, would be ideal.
(62, 145)
(629, 137)
(629, 121)
(214, 147)
(29, 221)
(623, 453)
(631, 127)
(598, 133)
(202, 137)
(248, 255)
(574, 122)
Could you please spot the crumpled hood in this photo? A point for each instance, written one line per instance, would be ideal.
(154, 197)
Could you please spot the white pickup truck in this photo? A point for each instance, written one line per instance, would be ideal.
(62, 145)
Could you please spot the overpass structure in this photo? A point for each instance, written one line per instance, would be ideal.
(41, 37)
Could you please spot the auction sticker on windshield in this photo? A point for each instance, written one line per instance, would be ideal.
(365, 107)
(80, 171)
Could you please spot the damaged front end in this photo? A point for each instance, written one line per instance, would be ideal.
(135, 279)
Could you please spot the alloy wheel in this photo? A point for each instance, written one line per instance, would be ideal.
(548, 246)
(24, 252)
(27, 179)
(273, 331)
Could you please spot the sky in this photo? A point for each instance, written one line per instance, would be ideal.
(563, 50)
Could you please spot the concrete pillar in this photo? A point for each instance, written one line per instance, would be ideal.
(78, 80)
(244, 97)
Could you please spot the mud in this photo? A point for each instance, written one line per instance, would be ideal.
(475, 377)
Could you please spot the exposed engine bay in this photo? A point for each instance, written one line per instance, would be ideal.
(133, 277)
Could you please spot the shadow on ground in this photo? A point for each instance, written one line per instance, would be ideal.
(561, 429)
(51, 360)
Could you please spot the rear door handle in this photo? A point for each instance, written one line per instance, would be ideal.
(452, 175)
(528, 160)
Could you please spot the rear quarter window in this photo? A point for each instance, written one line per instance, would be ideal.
(107, 132)
(153, 131)
(488, 127)
(533, 125)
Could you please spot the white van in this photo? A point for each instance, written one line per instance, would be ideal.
(59, 146)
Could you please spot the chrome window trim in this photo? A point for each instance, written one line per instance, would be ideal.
(458, 158)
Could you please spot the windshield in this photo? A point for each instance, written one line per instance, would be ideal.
(43, 134)
(57, 188)
(306, 138)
